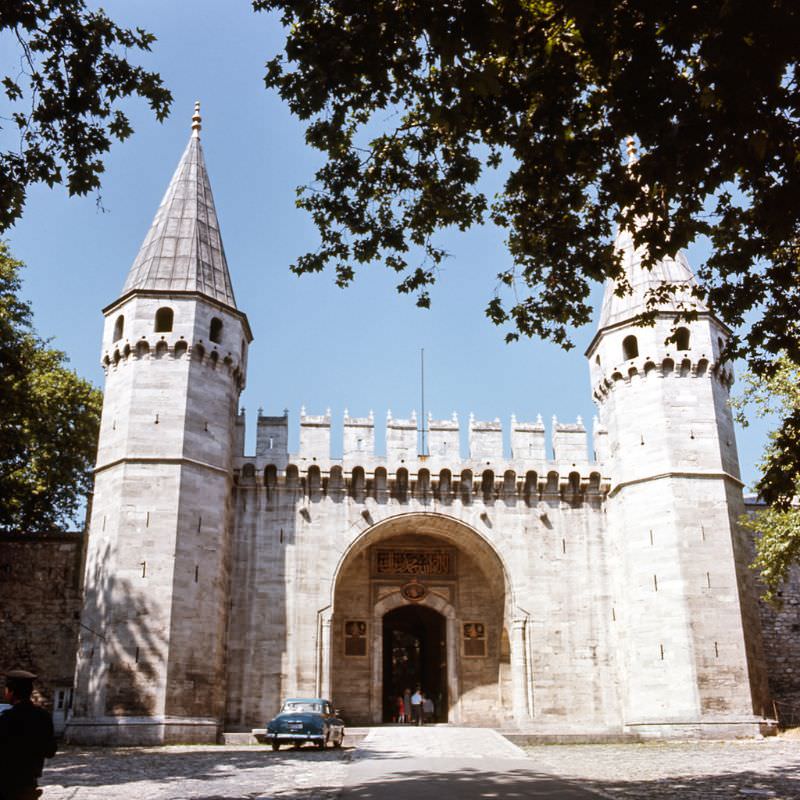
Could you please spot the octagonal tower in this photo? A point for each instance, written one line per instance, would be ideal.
(685, 606)
(152, 641)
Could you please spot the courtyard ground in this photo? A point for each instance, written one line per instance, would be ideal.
(433, 762)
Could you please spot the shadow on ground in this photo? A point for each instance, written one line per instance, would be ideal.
(116, 768)
(476, 783)
(120, 766)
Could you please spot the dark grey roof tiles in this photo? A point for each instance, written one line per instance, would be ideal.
(183, 249)
(616, 309)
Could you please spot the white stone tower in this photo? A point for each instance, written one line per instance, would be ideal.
(687, 627)
(151, 661)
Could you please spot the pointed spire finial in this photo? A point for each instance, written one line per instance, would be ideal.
(196, 121)
(630, 144)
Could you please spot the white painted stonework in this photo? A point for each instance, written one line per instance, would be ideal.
(562, 591)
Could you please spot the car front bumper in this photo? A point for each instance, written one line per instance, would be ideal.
(294, 736)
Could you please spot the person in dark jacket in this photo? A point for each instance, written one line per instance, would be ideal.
(26, 739)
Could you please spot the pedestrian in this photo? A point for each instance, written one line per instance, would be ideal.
(26, 739)
(416, 706)
(427, 708)
(407, 705)
(400, 708)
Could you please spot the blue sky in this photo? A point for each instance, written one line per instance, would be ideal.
(315, 345)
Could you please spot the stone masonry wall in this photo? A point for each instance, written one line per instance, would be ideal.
(781, 632)
(40, 601)
(543, 519)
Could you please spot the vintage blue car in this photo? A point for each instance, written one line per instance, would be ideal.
(304, 719)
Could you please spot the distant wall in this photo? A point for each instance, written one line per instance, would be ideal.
(781, 631)
(780, 627)
(40, 599)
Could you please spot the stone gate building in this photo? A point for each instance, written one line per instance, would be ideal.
(551, 590)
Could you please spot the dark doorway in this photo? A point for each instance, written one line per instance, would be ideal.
(414, 654)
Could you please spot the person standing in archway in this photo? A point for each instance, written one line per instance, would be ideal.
(427, 708)
(400, 709)
(407, 705)
(416, 706)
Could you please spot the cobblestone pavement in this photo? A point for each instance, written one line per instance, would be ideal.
(195, 773)
(763, 768)
(768, 768)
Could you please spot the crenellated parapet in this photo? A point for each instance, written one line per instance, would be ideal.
(643, 368)
(172, 348)
(437, 446)
(485, 474)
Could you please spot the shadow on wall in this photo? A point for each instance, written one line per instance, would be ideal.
(266, 521)
(120, 638)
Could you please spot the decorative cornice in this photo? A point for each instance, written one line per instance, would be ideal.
(726, 476)
(182, 461)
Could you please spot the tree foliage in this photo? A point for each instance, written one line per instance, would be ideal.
(411, 102)
(777, 527)
(49, 420)
(63, 95)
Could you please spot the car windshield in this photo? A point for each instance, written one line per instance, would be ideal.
(298, 706)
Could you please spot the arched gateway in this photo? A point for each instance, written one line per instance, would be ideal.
(422, 599)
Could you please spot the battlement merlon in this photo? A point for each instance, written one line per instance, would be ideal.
(528, 440)
(401, 438)
(569, 442)
(359, 436)
(485, 439)
(444, 437)
(315, 435)
(272, 435)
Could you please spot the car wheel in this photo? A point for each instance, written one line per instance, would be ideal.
(276, 746)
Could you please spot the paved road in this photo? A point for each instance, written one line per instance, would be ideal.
(744, 769)
(439, 763)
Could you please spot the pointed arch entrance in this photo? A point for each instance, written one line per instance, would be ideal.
(422, 595)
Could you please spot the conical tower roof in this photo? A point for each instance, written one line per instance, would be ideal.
(643, 282)
(622, 308)
(183, 249)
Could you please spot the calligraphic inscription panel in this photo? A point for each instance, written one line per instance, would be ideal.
(419, 562)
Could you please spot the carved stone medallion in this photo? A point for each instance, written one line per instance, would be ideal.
(414, 591)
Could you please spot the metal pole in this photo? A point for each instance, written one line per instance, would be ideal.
(422, 398)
